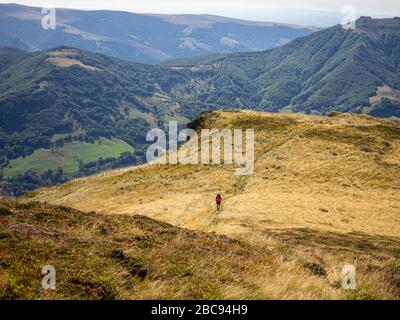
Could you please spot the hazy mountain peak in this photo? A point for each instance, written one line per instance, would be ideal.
(145, 38)
(370, 24)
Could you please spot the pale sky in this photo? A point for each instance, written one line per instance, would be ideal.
(246, 9)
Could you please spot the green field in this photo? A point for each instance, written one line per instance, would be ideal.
(68, 157)
(178, 118)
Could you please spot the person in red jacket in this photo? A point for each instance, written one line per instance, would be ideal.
(218, 201)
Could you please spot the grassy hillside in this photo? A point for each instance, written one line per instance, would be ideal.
(341, 169)
(100, 256)
(68, 156)
(324, 191)
(133, 257)
(118, 257)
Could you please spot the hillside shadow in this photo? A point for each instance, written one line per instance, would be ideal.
(353, 242)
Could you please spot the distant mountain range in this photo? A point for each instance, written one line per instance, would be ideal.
(67, 95)
(140, 37)
(332, 70)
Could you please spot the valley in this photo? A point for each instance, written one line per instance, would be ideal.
(66, 90)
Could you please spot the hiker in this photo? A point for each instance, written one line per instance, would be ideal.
(218, 201)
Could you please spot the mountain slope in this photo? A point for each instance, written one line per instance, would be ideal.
(346, 165)
(120, 257)
(48, 95)
(323, 187)
(61, 96)
(138, 37)
(334, 69)
(66, 95)
(99, 257)
(8, 56)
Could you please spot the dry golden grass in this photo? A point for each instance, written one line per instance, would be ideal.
(123, 257)
(327, 181)
(385, 92)
(67, 62)
(310, 172)
(65, 58)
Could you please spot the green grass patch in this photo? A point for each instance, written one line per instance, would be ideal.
(287, 110)
(147, 116)
(68, 157)
(178, 118)
(60, 136)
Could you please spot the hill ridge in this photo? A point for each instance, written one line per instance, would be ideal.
(337, 144)
(312, 201)
(139, 37)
